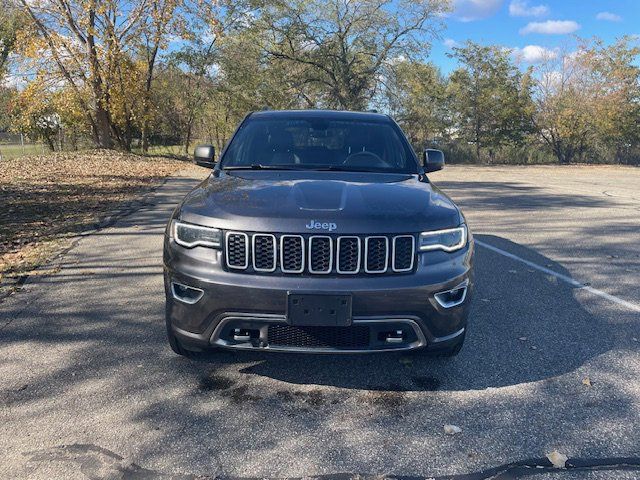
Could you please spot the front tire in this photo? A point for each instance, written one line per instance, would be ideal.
(177, 346)
(449, 351)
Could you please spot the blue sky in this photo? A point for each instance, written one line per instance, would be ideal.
(533, 25)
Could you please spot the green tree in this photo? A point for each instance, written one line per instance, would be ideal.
(11, 20)
(416, 95)
(588, 102)
(490, 98)
(614, 77)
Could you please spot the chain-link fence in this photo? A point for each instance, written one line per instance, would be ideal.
(17, 145)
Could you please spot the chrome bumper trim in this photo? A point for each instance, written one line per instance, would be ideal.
(217, 341)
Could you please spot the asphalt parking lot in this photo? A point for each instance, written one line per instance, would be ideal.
(89, 388)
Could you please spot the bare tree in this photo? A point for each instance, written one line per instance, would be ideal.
(92, 45)
(344, 45)
(563, 97)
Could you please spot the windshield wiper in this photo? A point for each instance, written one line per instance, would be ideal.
(259, 166)
(340, 168)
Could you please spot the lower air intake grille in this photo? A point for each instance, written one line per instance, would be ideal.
(353, 337)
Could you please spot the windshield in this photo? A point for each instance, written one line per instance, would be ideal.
(320, 144)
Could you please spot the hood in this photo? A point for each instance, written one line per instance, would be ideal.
(319, 202)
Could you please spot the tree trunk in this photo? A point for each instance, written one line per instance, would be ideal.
(103, 128)
(145, 137)
(187, 139)
(102, 132)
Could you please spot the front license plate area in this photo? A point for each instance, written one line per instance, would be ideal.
(319, 310)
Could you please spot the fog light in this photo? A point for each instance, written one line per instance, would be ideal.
(397, 336)
(453, 297)
(185, 293)
(243, 335)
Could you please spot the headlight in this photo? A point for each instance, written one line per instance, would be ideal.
(448, 240)
(189, 235)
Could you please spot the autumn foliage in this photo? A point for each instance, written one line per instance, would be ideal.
(116, 74)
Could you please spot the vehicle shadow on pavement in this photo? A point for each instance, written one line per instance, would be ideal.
(525, 326)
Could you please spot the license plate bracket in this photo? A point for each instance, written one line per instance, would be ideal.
(313, 309)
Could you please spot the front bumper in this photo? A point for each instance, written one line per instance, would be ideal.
(252, 308)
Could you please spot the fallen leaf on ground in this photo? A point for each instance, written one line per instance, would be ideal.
(586, 381)
(557, 459)
(452, 429)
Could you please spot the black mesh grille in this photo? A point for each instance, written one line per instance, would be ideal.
(319, 337)
(376, 254)
(320, 254)
(348, 258)
(236, 250)
(264, 257)
(403, 255)
(292, 254)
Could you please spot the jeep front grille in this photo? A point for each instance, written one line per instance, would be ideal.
(320, 254)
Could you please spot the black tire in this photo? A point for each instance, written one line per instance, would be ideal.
(450, 351)
(177, 346)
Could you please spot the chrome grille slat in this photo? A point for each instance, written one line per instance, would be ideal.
(237, 250)
(265, 252)
(376, 254)
(348, 259)
(292, 261)
(403, 251)
(320, 254)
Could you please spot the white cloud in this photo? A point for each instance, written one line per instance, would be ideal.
(551, 27)
(534, 54)
(450, 43)
(609, 17)
(470, 10)
(521, 8)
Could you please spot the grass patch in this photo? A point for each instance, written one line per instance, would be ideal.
(46, 199)
(10, 151)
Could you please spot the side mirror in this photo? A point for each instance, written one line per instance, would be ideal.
(433, 160)
(204, 155)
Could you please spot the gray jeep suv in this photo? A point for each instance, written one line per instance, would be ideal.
(318, 231)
